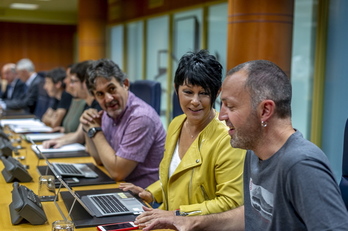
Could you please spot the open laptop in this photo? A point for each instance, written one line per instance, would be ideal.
(109, 204)
(69, 169)
(77, 170)
(101, 205)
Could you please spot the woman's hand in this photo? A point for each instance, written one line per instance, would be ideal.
(142, 193)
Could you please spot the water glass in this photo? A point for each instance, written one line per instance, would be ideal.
(63, 225)
(47, 190)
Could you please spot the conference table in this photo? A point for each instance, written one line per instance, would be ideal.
(50, 208)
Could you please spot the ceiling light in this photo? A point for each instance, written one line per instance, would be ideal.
(24, 6)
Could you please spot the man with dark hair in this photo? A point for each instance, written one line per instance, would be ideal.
(61, 100)
(288, 184)
(127, 137)
(79, 90)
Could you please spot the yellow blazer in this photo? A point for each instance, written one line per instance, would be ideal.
(209, 178)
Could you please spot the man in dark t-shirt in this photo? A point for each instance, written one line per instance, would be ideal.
(61, 100)
(79, 90)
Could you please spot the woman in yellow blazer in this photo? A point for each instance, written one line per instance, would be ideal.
(200, 172)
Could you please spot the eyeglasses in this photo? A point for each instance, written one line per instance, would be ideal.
(74, 81)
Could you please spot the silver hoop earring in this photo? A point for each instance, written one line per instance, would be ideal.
(264, 124)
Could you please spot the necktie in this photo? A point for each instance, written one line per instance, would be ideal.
(9, 91)
(25, 88)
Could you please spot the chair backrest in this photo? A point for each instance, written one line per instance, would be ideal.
(344, 179)
(345, 152)
(176, 109)
(43, 101)
(148, 90)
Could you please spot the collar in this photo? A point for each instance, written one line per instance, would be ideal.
(31, 79)
(14, 82)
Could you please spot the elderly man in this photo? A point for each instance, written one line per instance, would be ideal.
(26, 72)
(15, 87)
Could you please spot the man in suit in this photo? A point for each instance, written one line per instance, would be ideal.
(26, 72)
(3, 83)
(15, 87)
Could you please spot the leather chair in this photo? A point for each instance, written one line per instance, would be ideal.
(148, 90)
(344, 179)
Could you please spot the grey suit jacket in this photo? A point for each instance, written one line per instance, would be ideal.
(18, 90)
(28, 100)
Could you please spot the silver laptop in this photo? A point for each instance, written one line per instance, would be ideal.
(77, 170)
(106, 204)
(101, 205)
(109, 204)
(69, 169)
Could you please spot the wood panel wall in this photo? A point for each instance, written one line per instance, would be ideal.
(260, 30)
(48, 46)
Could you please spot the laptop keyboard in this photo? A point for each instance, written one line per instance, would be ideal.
(68, 169)
(109, 204)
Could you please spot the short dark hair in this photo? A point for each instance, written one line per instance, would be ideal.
(267, 81)
(56, 75)
(104, 68)
(200, 69)
(80, 69)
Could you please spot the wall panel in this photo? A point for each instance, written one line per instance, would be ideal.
(48, 46)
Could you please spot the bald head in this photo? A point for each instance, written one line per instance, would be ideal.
(8, 72)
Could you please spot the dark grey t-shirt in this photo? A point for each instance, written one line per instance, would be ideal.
(292, 190)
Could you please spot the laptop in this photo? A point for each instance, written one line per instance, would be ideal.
(102, 205)
(68, 169)
(66, 151)
(109, 204)
(77, 170)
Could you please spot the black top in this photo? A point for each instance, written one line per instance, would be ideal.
(63, 103)
(94, 104)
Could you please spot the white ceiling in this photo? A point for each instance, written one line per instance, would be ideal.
(49, 12)
(45, 5)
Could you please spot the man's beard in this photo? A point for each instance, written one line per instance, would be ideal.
(247, 136)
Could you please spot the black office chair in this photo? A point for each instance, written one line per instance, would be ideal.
(148, 90)
(344, 179)
(43, 101)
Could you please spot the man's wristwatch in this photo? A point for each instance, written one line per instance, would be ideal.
(92, 131)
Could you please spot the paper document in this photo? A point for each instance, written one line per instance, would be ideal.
(25, 125)
(66, 148)
(29, 129)
(27, 121)
(42, 136)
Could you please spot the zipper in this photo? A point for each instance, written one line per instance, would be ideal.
(205, 195)
(190, 186)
